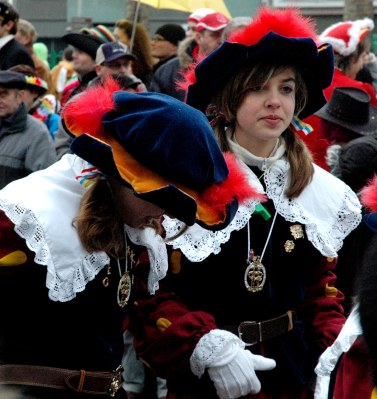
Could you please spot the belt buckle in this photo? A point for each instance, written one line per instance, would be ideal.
(116, 382)
(243, 325)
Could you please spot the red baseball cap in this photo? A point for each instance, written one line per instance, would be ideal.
(198, 14)
(213, 22)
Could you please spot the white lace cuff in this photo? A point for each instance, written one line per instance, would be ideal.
(216, 348)
(329, 358)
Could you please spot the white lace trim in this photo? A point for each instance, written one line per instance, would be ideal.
(211, 347)
(329, 358)
(45, 222)
(157, 254)
(327, 208)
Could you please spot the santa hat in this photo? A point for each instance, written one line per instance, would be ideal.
(345, 36)
(160, 147)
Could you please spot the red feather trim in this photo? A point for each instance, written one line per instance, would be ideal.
(368, 195)
(288, 22)
(84, 112)
(188, 75)
(235, 186)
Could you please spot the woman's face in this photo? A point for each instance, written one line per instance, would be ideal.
(266, 111)
(356, 65)
(134, 211)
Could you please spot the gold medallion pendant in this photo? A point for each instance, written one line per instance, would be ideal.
(124, 289)
(255, 275)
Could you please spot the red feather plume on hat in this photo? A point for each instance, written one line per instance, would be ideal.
(288, 22)
(84, 113)
(368, 195)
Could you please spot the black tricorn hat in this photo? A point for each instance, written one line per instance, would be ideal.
(350, 107)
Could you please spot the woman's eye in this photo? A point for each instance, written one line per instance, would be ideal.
(256, 88)
(287, 89)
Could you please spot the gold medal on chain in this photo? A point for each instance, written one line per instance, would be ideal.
(255, 274)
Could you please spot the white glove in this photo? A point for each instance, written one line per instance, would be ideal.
(230, 366)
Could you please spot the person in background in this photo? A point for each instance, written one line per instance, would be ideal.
(168, 77)
(164, 43)
(11, 51)
(348, 368)
(39, 104)
(351, 43)
(72, 235)
(27, 35)
(349, 123)
(41, 50)
(230, 320)
(234, 25)
(115, 58)
(63, 73)
(25, 143)
(194, 18)
(84, 55)
(208, 35)
(142, 67)
(83, 60)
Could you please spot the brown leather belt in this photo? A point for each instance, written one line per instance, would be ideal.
(252, 332)
(92, 382)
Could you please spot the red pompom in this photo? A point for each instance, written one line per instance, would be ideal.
(84, 112)
(235, 186)
(368, 195)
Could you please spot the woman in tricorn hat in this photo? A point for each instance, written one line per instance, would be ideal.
(246, 311)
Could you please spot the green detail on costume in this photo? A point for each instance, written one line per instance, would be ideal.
(262, 211)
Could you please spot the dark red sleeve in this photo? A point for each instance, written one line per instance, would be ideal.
(164, 329)
(13, 249)
(323, 304)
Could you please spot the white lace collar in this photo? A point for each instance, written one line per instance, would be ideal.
(45, 222)
(327, 208)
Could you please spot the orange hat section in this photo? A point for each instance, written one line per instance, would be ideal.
(144, 180)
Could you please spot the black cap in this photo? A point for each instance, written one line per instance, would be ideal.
(173, 33)
(12, 80)
(85, 42)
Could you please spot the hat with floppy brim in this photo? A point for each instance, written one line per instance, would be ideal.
(161, 148)
(85, 42)
(351, 108)
(315, 64)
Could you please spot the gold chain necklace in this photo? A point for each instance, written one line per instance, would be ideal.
(255, 273)
(125, 282)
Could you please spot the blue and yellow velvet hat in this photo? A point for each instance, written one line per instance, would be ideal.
(281, 35)
(162, 148)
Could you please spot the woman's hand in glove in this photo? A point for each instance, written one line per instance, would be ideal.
(230, 366)
(238, 378)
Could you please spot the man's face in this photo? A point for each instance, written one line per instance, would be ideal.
(83, 63)
(208, 41)
(121, 66)
(10, 100)
(162, 48)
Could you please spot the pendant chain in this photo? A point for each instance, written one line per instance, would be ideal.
(255, 273)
